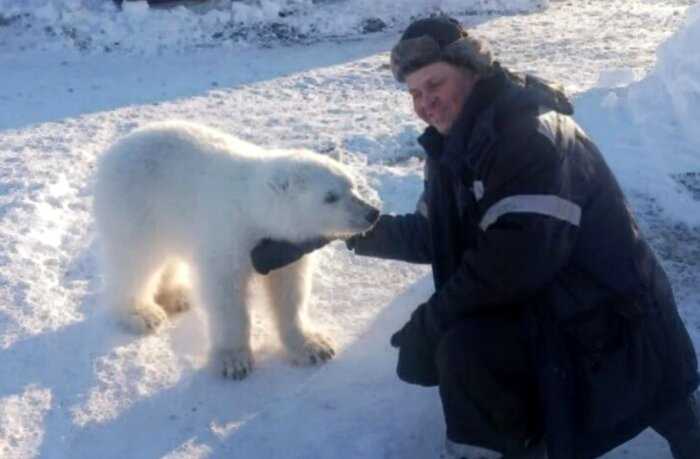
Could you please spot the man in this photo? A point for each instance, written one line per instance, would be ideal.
(552, 322)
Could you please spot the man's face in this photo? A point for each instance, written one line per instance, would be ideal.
(439, 91)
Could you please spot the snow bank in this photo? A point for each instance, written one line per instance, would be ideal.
(672, 90)
(648, 130)
(666, 108)
(98, 25)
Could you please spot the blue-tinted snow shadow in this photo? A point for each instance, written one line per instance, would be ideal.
(62, 360)
(279, 411)
(325, 416)
(36, 359)
(85, 84)
(198, 407)
(40, 88)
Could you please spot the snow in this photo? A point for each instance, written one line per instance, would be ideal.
(98, 25)
(74, 384)
(653, 124)
(21, 426)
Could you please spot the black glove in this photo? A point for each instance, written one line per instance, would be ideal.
(359, 238)
(417, 342)
(271, 254)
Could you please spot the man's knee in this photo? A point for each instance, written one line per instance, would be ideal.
(461, 348)
(481, 342)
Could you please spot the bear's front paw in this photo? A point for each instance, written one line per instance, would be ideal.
(236, 363)
(315, 350)
(144, 319)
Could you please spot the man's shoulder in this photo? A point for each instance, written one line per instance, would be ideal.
(522, 147)
(528, 104)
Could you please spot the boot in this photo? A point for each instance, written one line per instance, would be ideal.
(461, 451)
(680, 426)
(535, 451)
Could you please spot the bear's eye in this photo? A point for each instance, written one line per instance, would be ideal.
(330, 198)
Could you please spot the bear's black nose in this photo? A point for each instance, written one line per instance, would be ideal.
(372, 215)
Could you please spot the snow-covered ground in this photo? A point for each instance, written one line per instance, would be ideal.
(99, 26)
(74, 385)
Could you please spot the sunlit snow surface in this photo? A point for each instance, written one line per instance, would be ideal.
(75, 385)
(99, 26)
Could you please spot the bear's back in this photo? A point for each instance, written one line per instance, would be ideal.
(173, 164)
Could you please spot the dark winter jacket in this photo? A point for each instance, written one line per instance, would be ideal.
(523, 210)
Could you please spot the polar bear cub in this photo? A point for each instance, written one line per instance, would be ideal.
(178, 194)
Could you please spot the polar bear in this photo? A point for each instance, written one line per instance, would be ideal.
(176, 194)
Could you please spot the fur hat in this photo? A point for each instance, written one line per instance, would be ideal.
(436, 39)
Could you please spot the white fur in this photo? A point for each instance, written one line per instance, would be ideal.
(177, 195)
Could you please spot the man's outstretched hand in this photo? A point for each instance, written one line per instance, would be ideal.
(270, 254)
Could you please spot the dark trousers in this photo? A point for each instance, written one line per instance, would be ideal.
(487, 383)
(488, 387)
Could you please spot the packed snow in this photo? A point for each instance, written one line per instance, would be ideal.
(78, 74)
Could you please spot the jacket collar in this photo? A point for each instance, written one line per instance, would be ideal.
(432, 142)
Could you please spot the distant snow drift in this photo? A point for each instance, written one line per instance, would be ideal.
(175, 195)
(98, 25)
(665, 111)
(673, 86)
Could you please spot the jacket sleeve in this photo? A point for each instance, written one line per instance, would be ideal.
(396, 237)
(528, 225)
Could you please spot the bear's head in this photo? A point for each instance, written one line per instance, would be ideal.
(311, 195)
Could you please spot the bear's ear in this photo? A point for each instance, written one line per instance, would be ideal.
(279, 183)
(288, 181)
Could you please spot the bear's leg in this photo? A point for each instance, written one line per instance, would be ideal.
(223, 287)
(173, 293)
(288, 289)
(128, 276)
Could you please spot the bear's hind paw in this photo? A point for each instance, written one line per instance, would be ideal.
(175, 300)
(315, 350)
